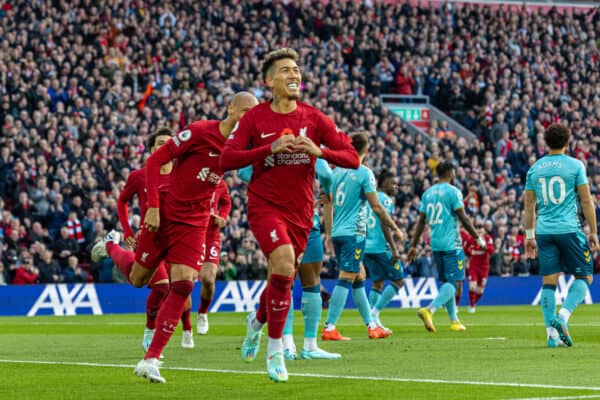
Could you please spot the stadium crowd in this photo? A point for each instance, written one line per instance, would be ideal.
(82, 84)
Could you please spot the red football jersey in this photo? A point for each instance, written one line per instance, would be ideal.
(195, 175)
(136, 185)
(285, 181)
(478, 257)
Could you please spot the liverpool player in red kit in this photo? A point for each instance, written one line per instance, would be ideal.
(183, 217)
(220, 207)
(281, 140)
(479, 264)
(123, 258)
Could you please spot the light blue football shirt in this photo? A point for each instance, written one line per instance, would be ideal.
(350, 187)
(376, 242)
(439, 204)
(554, 179)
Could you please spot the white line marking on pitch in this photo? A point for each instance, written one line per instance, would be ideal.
(591, 396)
(495, 338)
(141, 321)
(320, 376)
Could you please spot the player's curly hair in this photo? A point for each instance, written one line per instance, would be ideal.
(276, 55)
(444, 169)
(151, 141)
(557, 136)
(383, 175)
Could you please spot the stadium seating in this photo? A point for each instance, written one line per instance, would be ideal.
(81, 88)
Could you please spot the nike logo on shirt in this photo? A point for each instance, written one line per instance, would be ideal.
(266, 135)
(211, 154)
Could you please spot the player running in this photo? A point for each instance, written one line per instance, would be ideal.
(109, 246)
(281, 140)
(381, 253)
(309, 272)
(179, 227)
(553, 184)
(220, 207)
(352, 190)
(442, 207)
(479, 264)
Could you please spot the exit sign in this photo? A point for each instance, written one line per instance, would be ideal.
(411, 113)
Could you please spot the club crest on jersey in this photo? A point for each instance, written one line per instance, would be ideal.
(274, 236)
(182, 136)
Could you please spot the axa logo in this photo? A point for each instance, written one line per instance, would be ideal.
(239, 296)
(562, 289)
(64, 301)
(417, 292)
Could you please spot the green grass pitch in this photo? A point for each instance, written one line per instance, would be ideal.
(502, 355)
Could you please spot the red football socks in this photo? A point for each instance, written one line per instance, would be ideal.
(155, 298)
(204, 304)
(261, 314)
(168, 316)
(122, 258)
(278, 303)
(186, 321)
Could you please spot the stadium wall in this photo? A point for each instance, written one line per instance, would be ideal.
(243, 296)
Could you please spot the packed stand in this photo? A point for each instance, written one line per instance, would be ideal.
(82, 84)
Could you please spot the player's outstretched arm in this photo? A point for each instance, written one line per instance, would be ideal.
(589, 211)
(224, 204)
(412, 252)
(530, 244)
(339, 149)
(236, 153)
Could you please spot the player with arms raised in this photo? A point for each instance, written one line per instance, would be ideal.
(183, 217)
(442, 207)
(553, 184)
(281, 140)
(123, 258)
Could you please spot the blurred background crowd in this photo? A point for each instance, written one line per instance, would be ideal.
(82, 84)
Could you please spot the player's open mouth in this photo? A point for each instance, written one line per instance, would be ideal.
(292, 86)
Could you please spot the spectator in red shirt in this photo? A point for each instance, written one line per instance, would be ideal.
(26, 273)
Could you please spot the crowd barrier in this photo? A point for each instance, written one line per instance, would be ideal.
(243, 296)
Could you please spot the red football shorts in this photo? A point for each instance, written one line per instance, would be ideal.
(212, 248)
(271, 230)
(175, 243)
(479, 274)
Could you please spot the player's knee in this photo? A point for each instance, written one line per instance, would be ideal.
(208, 283)
(137, 281)
(398, 283)
(182, 288)
(378, 285)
